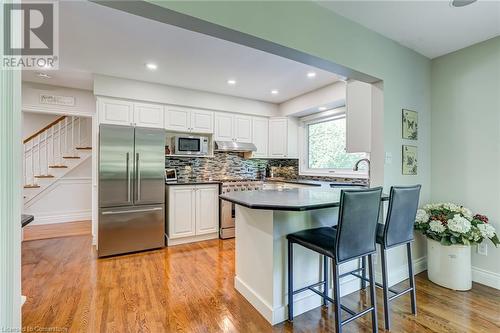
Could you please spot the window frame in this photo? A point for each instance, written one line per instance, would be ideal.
(304, 169)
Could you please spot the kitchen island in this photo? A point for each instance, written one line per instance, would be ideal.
(263, 219)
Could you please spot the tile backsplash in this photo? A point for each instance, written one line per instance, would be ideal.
(234, 165)
(222, 165)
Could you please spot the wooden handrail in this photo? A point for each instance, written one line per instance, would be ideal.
(55, 122)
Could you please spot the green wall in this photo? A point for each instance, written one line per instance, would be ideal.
(466, 134)
(309, 28)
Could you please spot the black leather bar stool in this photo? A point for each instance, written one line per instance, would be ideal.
(397, 231)
(354, 238)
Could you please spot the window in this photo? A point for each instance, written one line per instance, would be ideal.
(325, 148)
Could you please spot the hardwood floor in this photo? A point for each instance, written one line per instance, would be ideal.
(55, 230)
(189, 288)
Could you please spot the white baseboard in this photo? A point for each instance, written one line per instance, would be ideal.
(479, 275)
(62, 217)
(399, 274)
(482, 276)
(302, 303)
(191, 239)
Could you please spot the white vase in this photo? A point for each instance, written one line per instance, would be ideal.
(449, 266)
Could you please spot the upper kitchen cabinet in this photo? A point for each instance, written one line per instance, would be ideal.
(260, 136)
(121, 112)
(283, 138)
(115, 111)
(182, 119)
(242, 128)
(202, 121)
(148, 115)
(233, 127)
(358, 117)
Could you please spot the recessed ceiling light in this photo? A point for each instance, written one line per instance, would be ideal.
(322, 108)
(231, 82)
(151, 66)
(311, 75)
(274, 92)
(43, 75)
(461, 3)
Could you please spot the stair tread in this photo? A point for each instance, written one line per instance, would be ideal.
(58, 166)
(72, 157)
(32, 186)
(83, 148)
(44, 176)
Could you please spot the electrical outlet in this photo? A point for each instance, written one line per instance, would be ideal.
(482, 249)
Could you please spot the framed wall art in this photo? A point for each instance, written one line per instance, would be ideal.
(410, 124)
(409, 160)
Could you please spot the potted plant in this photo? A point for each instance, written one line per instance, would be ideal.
(451, 230)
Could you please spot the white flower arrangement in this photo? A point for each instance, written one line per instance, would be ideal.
(459, 224)
(450, 224)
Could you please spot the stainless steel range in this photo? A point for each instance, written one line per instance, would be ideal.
(228, 208)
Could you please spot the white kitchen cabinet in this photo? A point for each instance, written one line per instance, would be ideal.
(260, 136)
(193, 213)
(224, 127)
(233, 127)
(148, 115)
(202, 121)
(115, 111)
(182, 119)
(177, 119)
(207, 209)
(242, 128)
(283, 138)
(181, 211)
(358, 117)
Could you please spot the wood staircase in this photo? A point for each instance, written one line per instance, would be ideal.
(52, 152)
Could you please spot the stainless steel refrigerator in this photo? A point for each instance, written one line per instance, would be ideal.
(131, 189)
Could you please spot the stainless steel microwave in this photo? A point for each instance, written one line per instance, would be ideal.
(190, 145)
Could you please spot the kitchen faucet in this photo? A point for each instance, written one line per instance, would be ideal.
(356, 168)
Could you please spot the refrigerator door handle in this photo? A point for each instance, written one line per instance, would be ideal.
(128, 176)
(131, 211)
(138, 166)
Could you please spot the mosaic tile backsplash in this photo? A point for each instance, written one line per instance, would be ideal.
(234, 165)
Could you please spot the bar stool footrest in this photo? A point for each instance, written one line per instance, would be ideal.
(356, 315)
(400, 293)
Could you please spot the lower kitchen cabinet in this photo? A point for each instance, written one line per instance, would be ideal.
(193, 213)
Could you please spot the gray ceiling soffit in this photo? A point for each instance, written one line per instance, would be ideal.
(168, 16)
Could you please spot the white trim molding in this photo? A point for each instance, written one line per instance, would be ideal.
(10, 191)
(479, 275)
(482, 276)
(63, 217)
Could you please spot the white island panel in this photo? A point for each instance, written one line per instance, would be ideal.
(261, 260)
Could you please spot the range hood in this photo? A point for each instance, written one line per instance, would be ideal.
(239, 147)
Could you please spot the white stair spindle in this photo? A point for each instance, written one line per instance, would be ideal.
(39, 156)
(79, 131)
(25, 164)
(66, 135)
(73, 150)
(53, 146)
(59, 141)
(46, 152)
(32, 162)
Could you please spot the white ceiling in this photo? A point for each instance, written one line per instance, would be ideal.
(98, 39)
(432, 28)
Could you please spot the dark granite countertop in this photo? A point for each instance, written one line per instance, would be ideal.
(299, 199)
(323, 183)
(26, 219)
(192, 182)
(312, 183)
